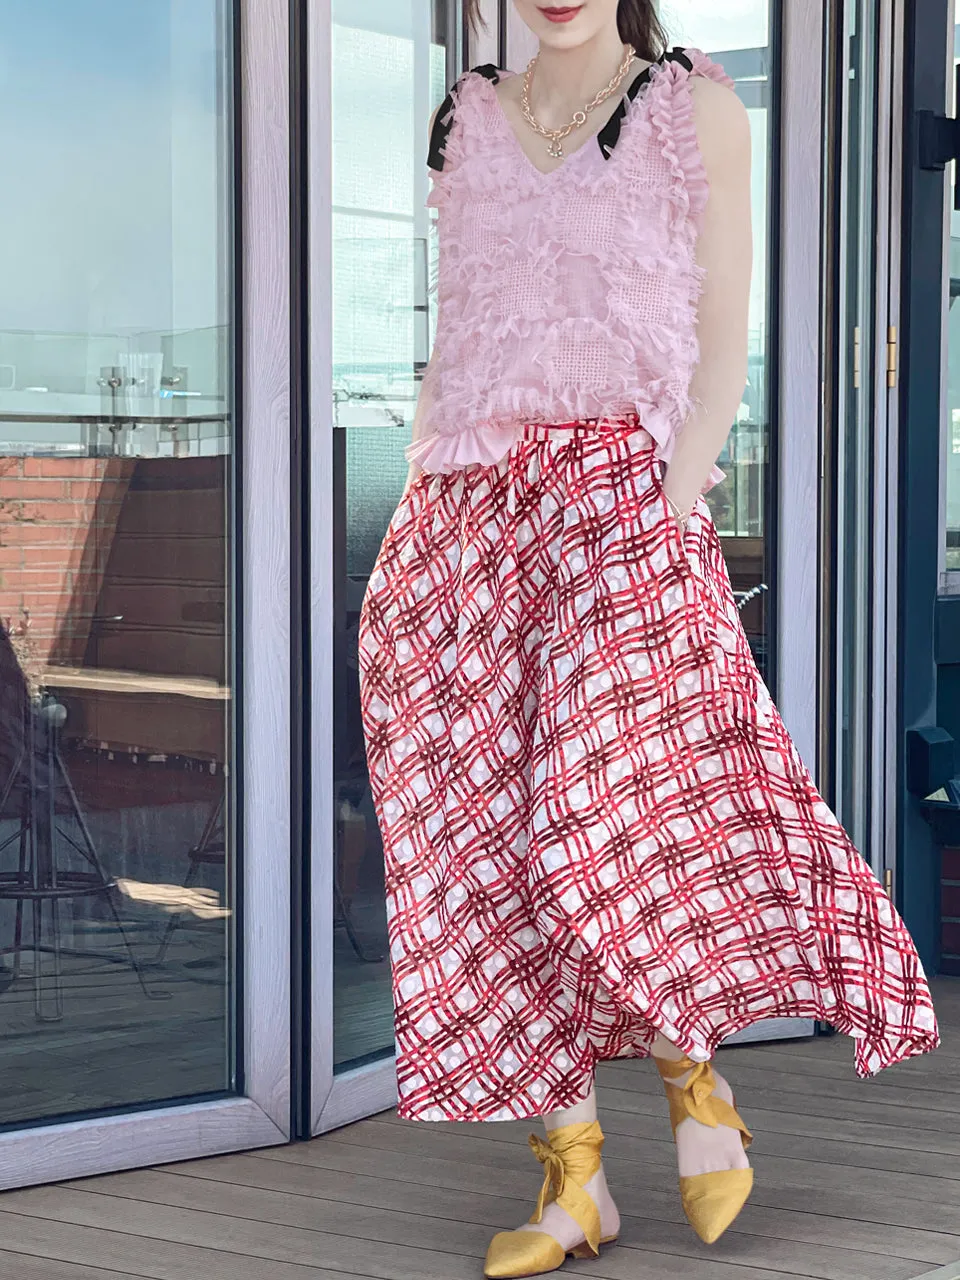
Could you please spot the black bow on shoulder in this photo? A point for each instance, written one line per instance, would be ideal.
(444, 121)
(609, 135)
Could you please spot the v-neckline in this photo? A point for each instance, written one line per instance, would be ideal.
(625, 102)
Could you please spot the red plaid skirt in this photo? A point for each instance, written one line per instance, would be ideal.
(594, 821)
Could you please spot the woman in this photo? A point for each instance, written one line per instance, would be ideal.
(600, 840)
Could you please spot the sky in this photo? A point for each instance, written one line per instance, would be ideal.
(112, 142)
(709, 25)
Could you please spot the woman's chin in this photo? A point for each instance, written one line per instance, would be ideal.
(551, 40)
(570, 35)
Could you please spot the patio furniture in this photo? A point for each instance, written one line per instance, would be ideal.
(38, 792)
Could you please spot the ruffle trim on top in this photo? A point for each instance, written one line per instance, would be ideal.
(480, 131)
(704, 65)
(661, 425)
(483, 444)
(468, 137)
(436, 158)
(673, 118)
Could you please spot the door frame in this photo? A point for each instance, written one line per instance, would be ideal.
(796, 465)
(888, 303)
(259, 1117)
(799, 458)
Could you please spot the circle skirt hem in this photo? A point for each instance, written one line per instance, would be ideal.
(595, 824)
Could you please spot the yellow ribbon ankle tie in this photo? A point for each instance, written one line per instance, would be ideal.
(696, 1098)
(712, 1200)
(570, 1157)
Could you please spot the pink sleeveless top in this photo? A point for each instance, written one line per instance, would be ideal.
(570, 294)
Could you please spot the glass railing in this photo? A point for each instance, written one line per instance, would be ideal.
(93, 394)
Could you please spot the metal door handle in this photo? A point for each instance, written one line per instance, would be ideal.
(939, 139)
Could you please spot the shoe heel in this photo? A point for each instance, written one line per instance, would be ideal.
(584, 1250)
(745, 1138)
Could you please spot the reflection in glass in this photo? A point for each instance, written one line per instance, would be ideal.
(738, 37)
(856, 417)
(116, 375)
(389, 74)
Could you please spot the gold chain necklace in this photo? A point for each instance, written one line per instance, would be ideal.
(555, 137)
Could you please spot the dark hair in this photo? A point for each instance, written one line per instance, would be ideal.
(637, 20)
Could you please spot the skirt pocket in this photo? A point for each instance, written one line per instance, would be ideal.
(749, 696)
(713, 619)
(658, 471)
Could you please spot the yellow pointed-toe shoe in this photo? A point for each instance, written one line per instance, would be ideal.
(570, 1157)
(711, 1201)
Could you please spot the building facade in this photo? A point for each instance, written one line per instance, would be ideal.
(217, 308)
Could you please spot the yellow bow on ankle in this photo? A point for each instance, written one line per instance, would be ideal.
(570, 1157)
(696, 1097)
(697, 1091)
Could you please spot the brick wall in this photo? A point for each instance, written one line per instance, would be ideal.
(58, 517)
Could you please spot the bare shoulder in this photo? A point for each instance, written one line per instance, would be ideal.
(722, 124)
(509, 88)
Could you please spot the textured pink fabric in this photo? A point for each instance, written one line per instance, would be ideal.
(567, 295)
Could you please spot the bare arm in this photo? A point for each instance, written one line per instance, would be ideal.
(725, 250)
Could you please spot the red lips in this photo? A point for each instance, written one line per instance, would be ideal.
(565, 14)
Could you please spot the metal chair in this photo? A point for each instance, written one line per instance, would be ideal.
(211, 850)
(39, 786)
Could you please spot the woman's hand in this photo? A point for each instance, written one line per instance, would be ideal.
(678, 512)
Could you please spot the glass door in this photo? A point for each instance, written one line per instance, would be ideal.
(926, 479)
(949, 713)
(861, 299)
(390, 67)
(128, 721)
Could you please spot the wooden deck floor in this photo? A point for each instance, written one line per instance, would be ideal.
(855, 1180)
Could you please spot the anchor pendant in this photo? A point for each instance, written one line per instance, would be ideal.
(555, 149)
